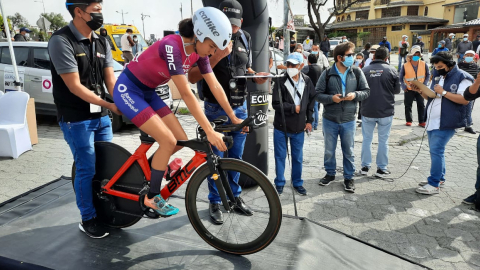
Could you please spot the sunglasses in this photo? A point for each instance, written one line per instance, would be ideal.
(350, 54)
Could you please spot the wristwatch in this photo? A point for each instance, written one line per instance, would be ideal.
(444, 93)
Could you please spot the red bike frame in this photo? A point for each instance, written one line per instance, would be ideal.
(140, 156)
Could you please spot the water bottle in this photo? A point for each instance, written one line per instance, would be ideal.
(173, 167)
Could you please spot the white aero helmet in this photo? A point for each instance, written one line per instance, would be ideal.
(209, 22)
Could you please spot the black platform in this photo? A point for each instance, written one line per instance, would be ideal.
(40, 229)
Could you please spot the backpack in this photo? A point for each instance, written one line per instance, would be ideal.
(404, 49)
(356, 71)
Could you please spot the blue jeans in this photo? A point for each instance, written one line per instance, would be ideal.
(460, 58)
(331, 131)
(213, 111)
(315, 115)
(81, 137)
(477, 184)
(437, 140)
(280, 149)
(326, 54)
(400, 63)
(469, 114)
(384, 127)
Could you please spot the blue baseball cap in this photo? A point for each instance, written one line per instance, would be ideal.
(295, 58)
(25, 29)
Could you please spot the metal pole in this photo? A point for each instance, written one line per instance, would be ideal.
(191, 6)
(10, 46)
(181, 11)
(286, 33)
(143, 23)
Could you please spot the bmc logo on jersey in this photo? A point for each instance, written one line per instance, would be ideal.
(169, 50)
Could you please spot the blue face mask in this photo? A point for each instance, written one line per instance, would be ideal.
(440, 46)
(416, 58)
(468, 59)
(348, 61)
(465, 39)
(314, 52)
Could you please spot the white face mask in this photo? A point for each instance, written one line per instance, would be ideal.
(27, 35)
(371, 56)
(292, 72)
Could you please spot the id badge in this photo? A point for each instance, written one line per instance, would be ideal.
(95, 108)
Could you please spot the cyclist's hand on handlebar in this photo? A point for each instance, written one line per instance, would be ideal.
(113, 108)
(238, 121)
(216, 139)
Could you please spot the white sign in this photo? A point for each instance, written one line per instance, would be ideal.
(9, 78)
(47, 84)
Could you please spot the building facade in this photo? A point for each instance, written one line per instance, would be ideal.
(393, 19)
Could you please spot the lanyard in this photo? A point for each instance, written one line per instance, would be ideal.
(341, 79)
(297, 93)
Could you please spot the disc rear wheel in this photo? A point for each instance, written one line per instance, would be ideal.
(114, 211)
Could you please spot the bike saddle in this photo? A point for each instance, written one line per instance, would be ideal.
(220, 120)
(144, 137)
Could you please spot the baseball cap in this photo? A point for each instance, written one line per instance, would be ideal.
(234, 11)
(469, 51)
(374, 47)
(442, 42)
(295, 58)
(465, 35)
(451, 34)
(25, 29)
(415, 49)
(419, 37)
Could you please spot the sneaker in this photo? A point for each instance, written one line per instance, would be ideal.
(279, 189)
(349, 185)
(422, 124)
(301, 190)
(160, 206)
(93, 228)
(423, 183)
(363, 170)
(428, 190)
(470, 199)
(325, 181)
(382, 173)
(360, 124)
(408, 124)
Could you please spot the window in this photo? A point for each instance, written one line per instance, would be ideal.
(21, 56)
(472, 12)
(376, 34)
(41, 58)
(338, 19)
(397, 28)
(349, 18)
(418, 27)
(391, 12)
(343, 18)
(412, 10)
(425, 13)
(361, 15)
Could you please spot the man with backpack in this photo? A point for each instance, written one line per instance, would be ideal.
(403, 46)
(340, 88)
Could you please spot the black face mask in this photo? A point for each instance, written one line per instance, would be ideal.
(96, 22)
(442, 72)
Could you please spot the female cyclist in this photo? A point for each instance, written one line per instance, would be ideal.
(170, 58)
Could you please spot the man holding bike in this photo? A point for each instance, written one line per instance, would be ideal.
(81, 64)
(235, 60)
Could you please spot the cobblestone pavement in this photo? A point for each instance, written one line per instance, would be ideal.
(437, 230)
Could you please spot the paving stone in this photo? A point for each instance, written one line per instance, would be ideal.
(446, 254)
(422, 240)
(471, 257)
(413, 251)
(459, 234)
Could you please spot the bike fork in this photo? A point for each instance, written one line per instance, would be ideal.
(221, 181)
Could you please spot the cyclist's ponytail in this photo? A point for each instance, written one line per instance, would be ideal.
(185, 27)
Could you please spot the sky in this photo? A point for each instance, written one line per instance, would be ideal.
(164, 14)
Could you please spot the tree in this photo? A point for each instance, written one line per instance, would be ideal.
(56, 19)
(315, 20)
(18, 20)
(2, 27)
(363, 36)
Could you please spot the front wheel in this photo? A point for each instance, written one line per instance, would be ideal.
(239, 234)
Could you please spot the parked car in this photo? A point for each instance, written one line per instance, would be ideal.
(333, 44)
(33, 61)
